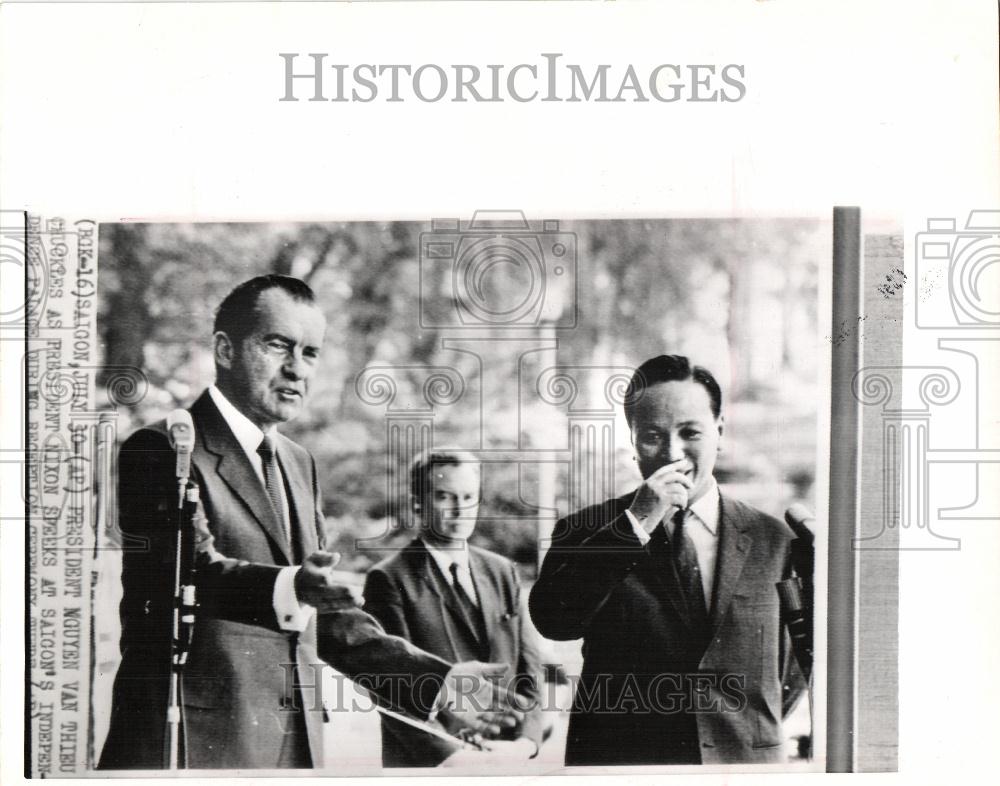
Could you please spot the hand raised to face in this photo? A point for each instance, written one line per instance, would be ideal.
(662, 494)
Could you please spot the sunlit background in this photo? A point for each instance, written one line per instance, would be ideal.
(514, 342)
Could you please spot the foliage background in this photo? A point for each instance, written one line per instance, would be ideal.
(738, 296)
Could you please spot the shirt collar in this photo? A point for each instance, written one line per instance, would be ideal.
(246, 433)
(706, 509)
(444, 557)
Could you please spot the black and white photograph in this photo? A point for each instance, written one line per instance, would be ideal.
(499, 390)
(488, 494)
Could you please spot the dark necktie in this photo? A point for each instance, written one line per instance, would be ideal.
(688, 573)
(472, 613)
(272, 480)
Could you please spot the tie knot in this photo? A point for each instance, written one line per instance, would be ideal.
(454, 568)
(679, 518)
(266, 448)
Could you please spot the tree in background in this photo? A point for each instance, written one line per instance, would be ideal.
(737, 295)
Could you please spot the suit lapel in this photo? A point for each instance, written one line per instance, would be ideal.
(235, 469)
(734, 548)
(450, 608)
(300, 496)
(487, 593)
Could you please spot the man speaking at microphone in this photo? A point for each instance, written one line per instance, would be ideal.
(262, 572)
(672, 589)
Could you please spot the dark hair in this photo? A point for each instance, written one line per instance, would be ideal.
(420, 469)
(233, 316)
(670, 368)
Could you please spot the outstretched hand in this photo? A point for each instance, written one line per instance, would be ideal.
(474, 699)
(315, 584)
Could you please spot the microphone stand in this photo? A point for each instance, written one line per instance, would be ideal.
(183, 615)
(795, 595)
(797, 609)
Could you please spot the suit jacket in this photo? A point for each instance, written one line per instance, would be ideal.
(236, 688)
(411, 598)
(654, 688)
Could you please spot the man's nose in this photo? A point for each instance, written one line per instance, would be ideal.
(674, 450)
(295, 366)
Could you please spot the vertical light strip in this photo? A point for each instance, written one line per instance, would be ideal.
(844, 364)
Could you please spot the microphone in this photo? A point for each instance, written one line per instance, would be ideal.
(799, 519)
(180, 431)
(180, 428)
(801, 522)
(797, 613)
(796, 593)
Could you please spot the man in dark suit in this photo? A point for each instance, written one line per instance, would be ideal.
(672, 589)
(455, 600)
(261, 568)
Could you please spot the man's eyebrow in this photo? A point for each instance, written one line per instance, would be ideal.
(288, 340)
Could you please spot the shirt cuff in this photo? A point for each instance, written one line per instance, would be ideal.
(640, 533)
(291, 614)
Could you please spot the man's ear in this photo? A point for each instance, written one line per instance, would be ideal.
(720, 424)
(223, 350)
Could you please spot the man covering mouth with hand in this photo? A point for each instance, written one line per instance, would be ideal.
(672, 589)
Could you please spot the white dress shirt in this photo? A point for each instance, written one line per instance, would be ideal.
(291, 614)
(444, 559)
(702, 526)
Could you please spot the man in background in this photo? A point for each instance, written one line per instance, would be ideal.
(672, 589)
(454, 600)
(262, 571)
